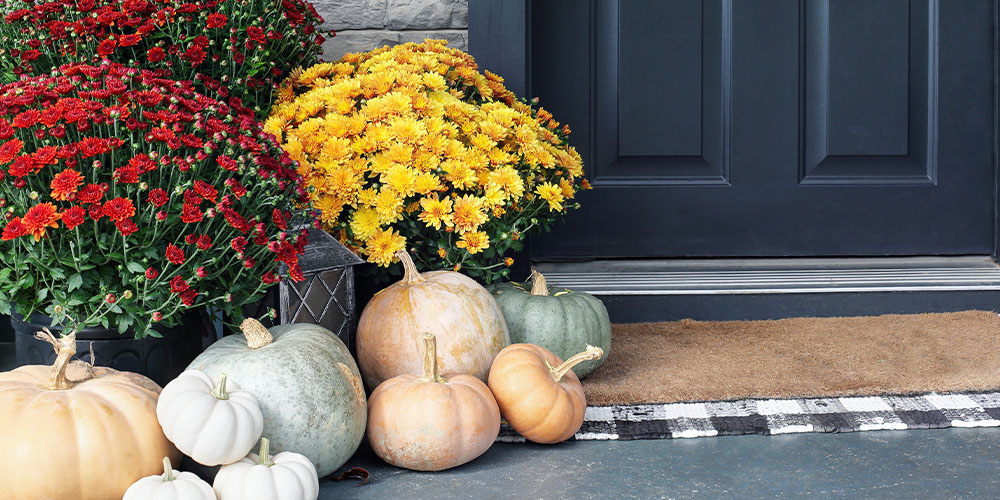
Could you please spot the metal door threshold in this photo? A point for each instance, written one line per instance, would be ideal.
(776, 276)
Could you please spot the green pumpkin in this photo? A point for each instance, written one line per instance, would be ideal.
(308, 386)
(560, 320)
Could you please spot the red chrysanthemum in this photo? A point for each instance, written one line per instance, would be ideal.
(118, 209)
(156, 54)
(65, 184)
(129, 40)
(151, 273)
(93, 146)
(178, 285)
(239, 243)
(72, 217)
(40, 217)
(205, 190)
(189, 296)
(106, 48)
(174, 254)
(227, 163)
(126, 227)
(195, 55)
(44, 156)
(158, 197)
(21, 167)
(216, 20)
(91, 193)
(190, 214)
(14, 229)
(204, 242)
(27, 118)
(9, 150)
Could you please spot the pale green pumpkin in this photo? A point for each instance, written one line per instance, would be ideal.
(308, 386)
(560, 320)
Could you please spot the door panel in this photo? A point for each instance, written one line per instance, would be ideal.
(772, 127)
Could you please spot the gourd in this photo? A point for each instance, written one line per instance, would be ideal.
(306, 383)
(471, 329)
(214, 424)
(560, 320)
(285, 476)
(76, 431)
(171, 485)
(434, 421)
(538, 394)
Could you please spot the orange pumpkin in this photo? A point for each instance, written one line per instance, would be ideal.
(471, 325)
(432, 422)
(539, 395)
(76, 431)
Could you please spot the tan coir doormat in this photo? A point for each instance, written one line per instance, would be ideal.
(802, 357)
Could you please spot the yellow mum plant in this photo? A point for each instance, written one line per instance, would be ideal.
(412, 147)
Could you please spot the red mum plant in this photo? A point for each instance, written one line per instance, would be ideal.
(236, 50)
(119, 182)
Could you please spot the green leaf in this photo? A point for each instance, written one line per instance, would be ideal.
(136, 267)
(75, 281)
(5, 274)
(42, 294)
(104, 322)
(5, 308)
(57, 273)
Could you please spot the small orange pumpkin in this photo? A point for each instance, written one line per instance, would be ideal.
(76, 431)
(432, 422)
(538, 393)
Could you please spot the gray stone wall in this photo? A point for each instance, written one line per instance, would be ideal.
(363, 25)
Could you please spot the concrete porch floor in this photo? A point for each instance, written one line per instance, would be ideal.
(931, 464)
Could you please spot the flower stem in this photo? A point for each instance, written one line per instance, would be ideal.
(591, 353)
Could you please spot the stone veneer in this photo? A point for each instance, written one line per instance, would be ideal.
(363, 25)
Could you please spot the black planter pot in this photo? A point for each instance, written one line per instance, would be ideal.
(160, 359)
(6, 332)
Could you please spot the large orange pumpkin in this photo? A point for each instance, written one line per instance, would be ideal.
(471, 328)
(538, 393)
(432, 422)
(77, 432)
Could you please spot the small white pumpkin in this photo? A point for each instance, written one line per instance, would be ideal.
(285, 476)
(172, 485)
(214, 424)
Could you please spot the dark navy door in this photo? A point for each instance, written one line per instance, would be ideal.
(772, 127)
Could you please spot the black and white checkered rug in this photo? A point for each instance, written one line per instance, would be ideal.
(785, 416)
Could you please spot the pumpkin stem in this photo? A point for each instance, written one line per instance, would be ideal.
(220, 389)
(591, 353)
(264, 455)
(430, 360)
(168, 470)
(538, 284)
(256, 333)
(65, 348)
(410, 272)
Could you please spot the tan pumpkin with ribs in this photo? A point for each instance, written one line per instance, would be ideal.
(538, 393)
(432, 422)
(77, 432)
(471, 328)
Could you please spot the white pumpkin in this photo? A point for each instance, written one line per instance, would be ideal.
(285, 476)
(172, 485)
(214, 424)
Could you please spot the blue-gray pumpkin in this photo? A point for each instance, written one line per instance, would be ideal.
(560, 320)
(308, 386)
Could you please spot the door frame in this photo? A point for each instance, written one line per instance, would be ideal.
(500, 40)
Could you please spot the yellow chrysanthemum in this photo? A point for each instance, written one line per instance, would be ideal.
(552, 194)
(400, 178)
(474, 242)
(426, 183)
(436, 212)
(459, 174)
(364, 223)
(467, 213)
(383, 245)
(389, 206)
(567, 188)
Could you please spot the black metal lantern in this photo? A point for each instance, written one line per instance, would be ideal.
(326, 297)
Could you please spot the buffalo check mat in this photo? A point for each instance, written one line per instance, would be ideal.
(784, 416)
